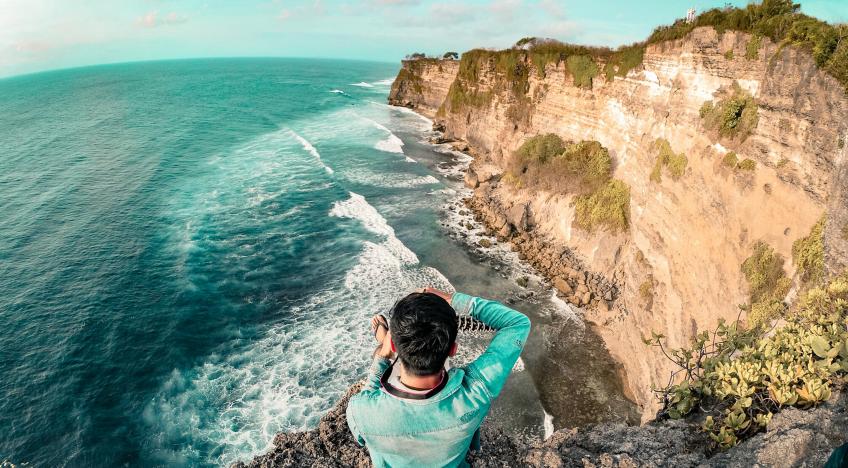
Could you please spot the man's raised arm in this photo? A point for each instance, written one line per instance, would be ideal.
(512, 327)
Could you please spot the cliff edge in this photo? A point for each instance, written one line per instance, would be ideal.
(794, 438)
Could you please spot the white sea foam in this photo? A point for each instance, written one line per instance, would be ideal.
(548, 424)
(280, 381)
(311, 149)
(386, 82)
(337, 91)
(410, 160)
(389, 181)
(363, 84)
(391, 144)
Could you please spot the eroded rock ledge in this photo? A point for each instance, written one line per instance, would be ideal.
(794, 438)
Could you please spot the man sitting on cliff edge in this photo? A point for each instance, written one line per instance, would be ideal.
(414, 412)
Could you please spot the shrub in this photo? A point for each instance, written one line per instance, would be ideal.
(747, 165)
(541, 148)
(734, 116)
(752, 50)
(607, 208)
(623, 60)
(767, 281)
(675, 163)
(840, 142)
(547, 162)
(740, 377)
(451, 56)
(706, 109)
(646, 290)
(808, 254)
(729, 54)
(583, 69)
(730, 160)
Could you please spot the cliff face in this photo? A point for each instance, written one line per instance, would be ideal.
(676, 269)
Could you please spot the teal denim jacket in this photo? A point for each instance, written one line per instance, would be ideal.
(438, 431)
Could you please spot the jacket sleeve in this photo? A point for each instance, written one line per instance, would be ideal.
(512, 327)
(375, 372)
(372, 382)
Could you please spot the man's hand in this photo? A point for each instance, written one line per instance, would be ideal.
(383, 336)
(442, 294)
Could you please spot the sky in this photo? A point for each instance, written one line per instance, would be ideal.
(38, 35)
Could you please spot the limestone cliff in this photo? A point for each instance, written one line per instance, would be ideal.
(676, 269)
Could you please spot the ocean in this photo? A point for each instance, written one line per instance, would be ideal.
(190, 252)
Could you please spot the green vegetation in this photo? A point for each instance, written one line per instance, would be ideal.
(666, 158)
(451, 56)
(547, 162)
(541, 148)
(747, 165)
(584, 168)
(740, 377)
(808, 254)
(782, 23)
(729, 54)
(583, 69)
(768, 283)
(730, 160)
(607, 208)
(733, 116)
(778, 20)
(840, 143)
(646, 289)
(623, 60)
(752, 50)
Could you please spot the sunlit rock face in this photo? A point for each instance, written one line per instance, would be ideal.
(676, 269)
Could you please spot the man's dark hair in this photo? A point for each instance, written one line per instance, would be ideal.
(423, 329)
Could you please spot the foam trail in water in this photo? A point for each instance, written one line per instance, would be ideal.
(363, 84)
(337, 91)
(394, 181)
(392, 144)
(311, 149)
(293, 373)
(386, 82)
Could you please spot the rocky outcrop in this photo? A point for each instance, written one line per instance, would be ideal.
(676, 269)
(794, 438)
(423, 84)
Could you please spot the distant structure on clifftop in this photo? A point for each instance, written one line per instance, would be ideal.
(690, 15)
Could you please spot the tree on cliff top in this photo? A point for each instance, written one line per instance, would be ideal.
(451, 56)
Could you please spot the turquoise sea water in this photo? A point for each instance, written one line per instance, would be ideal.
(190, 250)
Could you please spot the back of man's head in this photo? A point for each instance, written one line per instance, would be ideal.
(424, 328)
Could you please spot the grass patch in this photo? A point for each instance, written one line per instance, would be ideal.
(747, 165)
(730, 160)
(729, 55)
(623, 60)
(675, 164)
(808, 254)
(752, 49)
(767, 282)
(583, 69)
(607, 208)
(646, 290)
(549, 163)
(733, 116)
